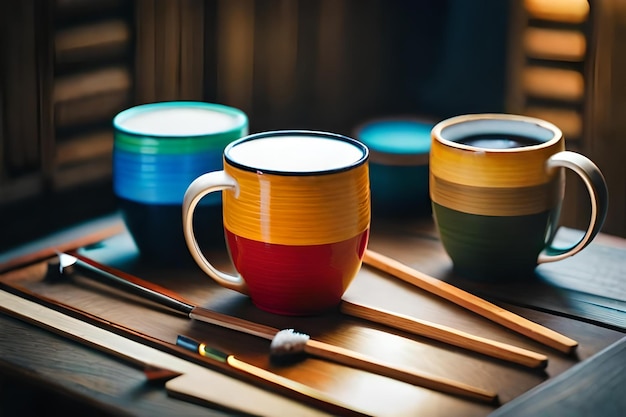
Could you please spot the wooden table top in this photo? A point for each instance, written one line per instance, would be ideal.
(562, 297)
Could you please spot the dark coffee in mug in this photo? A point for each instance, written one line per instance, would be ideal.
(496, 185)
(498, 141)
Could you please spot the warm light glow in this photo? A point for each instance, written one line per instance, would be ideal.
(562, 45)
(569, 121)
(569, 11)
(399, 398)
(92, 35)
(553, 83)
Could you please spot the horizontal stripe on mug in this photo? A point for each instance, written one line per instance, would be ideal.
(159, 192)
(302, 279)
(165, 171)
(298, 210)
(187, 159)
(497, 201)
(176, 146)
(492, 168)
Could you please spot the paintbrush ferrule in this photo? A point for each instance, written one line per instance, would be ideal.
(201, 348)
(263, 374)
(310, 346)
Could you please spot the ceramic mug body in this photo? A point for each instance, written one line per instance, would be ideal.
(399, 148)
(497, 188)
(296, 210)
(159, 149)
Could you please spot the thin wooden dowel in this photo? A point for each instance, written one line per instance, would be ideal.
(471, 302)
(337, 354)
(447, 335)
(350, 358)
(354, 359)
(159, 365)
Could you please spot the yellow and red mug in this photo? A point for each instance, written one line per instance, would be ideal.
(296, 208)
(497, 185)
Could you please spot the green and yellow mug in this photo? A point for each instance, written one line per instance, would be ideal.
(497, 186)
(296, 214)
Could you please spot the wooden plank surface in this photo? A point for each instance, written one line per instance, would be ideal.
(594, 387)
(146, 358)
(415, 243)
(73, 379)
(588, 286)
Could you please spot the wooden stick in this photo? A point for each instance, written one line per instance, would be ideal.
(353, 359)
(446, 334)
(359, 361)
(471, 302)
(350, 358)
(337, 354)
(190, 379)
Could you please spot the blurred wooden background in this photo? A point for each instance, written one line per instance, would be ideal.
(68, 66)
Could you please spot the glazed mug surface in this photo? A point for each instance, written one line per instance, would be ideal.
(159, 149)
(497, 186)
(296, 217)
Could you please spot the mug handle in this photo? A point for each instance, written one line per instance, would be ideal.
(598, 193)
(201, 186)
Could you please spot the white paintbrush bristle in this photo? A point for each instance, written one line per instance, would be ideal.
(288, 342)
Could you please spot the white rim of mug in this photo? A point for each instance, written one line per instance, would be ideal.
(538, 125)
(277, 133)
(239, 116)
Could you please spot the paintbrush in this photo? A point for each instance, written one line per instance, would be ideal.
(286, 344)
(215, 354)
(183, 379)
(471, 302)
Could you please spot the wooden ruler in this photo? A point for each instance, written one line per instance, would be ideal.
(193, 379)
